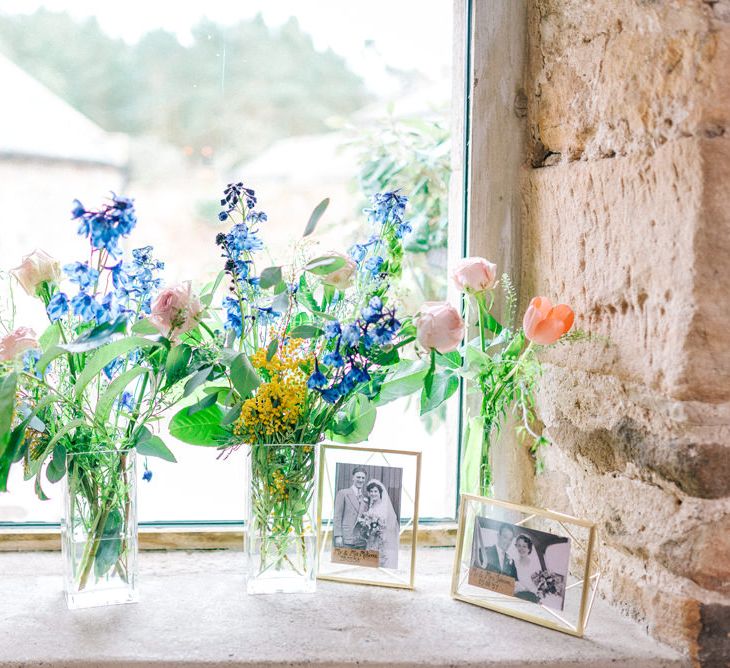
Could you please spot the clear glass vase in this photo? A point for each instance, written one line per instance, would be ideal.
(281, 518)
(99, 528)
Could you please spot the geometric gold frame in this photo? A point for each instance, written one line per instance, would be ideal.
(583, 574)
(411, 463)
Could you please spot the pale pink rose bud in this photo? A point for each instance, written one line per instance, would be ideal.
(176, 310)
(545, 324)
(341, 278)
(474, 274)
(439, 327)
(36, 268)
(18, 342)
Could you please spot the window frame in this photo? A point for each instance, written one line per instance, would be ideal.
(481, 32)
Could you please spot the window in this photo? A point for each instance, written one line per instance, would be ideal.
(301, 100)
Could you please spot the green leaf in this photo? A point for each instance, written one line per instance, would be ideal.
(110, 545)
(271, 349)
(471, 456)
(405, 378)
(39, 490)
(443, 386)
(13, 446)
(150, 445)
(201, 428)
(47, 357)
(321, 266)
(208, 292)
(203, 403)
(106, 354)
(51, 336)
(8, 385)
(176, 365)
(280, 304)
(244, 376)
(197, 380)
(96, 337)
(232, 415)
(280, 287)
(315, 216)
(305, 332)
(450, 360)
(116, 387)
(269, 277)
(354, 422)
(144, 327)
(57, 468)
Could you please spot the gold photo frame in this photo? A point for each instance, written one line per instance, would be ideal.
(379, 558)
(501, 563)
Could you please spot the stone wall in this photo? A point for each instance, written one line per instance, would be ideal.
(626, 216)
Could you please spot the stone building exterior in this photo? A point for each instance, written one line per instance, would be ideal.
(626, 216)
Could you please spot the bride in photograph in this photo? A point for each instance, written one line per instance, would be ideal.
(527, 563)
(387, 540)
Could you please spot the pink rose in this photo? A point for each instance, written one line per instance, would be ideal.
(545, 324)
(474, 274)
(17, 342)
(36, 268)
(176, 310)
(439, 327)
(341, 278)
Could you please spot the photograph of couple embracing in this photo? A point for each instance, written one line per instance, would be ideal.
(535, 561)
(367, 511)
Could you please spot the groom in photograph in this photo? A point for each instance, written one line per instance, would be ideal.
(495, 558)
(349, 505)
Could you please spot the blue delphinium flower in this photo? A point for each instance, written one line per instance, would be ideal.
(147, 475)
(106, 226)
(333, 358)
(81, 274)
(317, 380)
(351, 335)
(387, 207)
(331, 394)
(126, 400)
(86, 307)
(332, 329)
(358, 252)
(373, 264)
(30, 358)
(57, 306)
(403, 229)
(234, 319)
(372, 312)
(233, 194)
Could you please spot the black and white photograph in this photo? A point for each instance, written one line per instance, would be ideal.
(534, 564)
(367, 514)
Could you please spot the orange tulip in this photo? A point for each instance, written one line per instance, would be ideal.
(545, 324)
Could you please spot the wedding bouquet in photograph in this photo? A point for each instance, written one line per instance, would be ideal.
(304, 349)
(79, 402)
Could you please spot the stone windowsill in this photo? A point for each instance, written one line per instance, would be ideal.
(194, 611)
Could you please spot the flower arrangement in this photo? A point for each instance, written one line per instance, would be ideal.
(548, 582)
(371, 526)
(77, 401)
(500, 364)
(303, 353)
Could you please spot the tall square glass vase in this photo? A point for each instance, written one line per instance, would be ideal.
(99, 528)
(281, 518)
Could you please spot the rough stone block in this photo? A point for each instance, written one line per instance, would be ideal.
(613, 78)
(623, 241)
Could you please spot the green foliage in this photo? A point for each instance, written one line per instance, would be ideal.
(190, 95)
(153, 446)
(244, 376)
(315, 216)
(201, 427)
(354, 422)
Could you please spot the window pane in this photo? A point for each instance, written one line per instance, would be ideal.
(301, 100)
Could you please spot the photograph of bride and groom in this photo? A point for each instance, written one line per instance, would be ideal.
(532, 564)
(367, 512)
